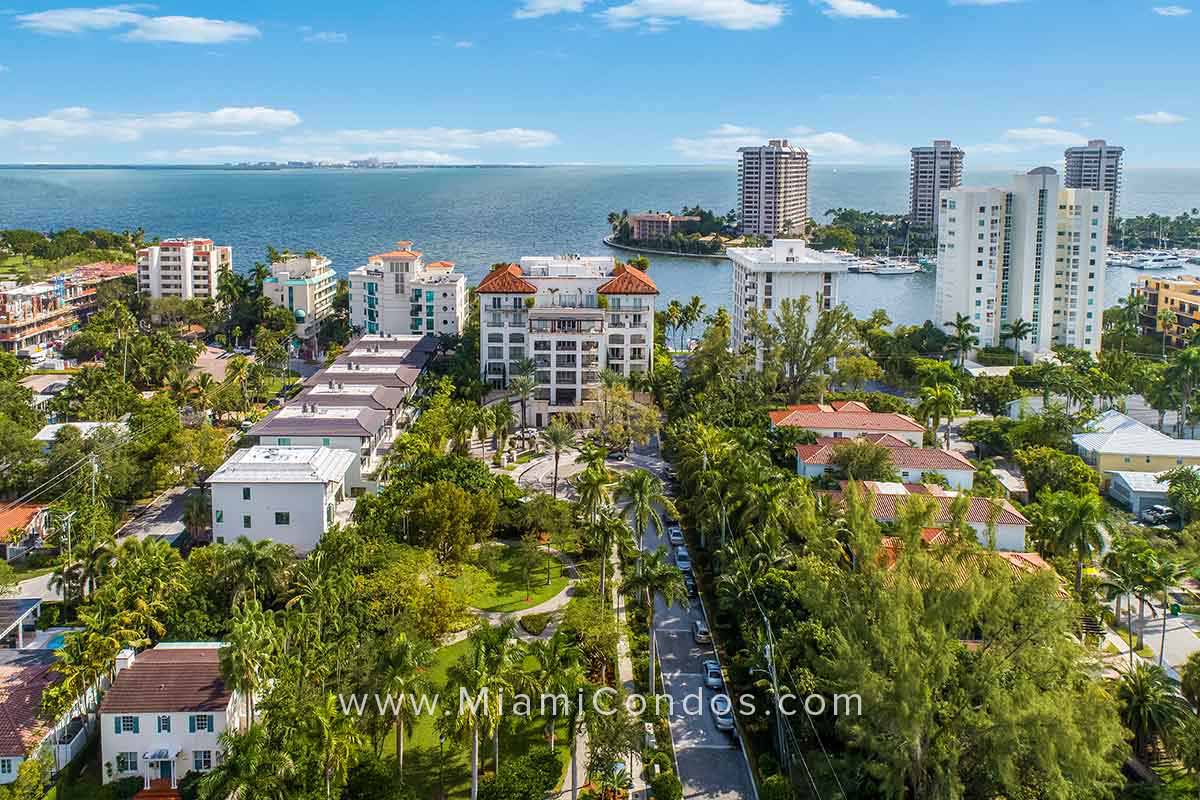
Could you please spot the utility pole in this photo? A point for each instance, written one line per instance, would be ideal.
(95, 470)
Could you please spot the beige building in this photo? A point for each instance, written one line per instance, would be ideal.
(773, 189)
(304, 285)
(655, 225)
(1117, 443)
(398, 293)
(187, 268)
(934, 169)
(1179, 295)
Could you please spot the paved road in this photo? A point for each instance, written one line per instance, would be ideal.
(164, 516)
(712, 764)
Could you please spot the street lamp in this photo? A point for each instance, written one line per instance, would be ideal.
(442, 766)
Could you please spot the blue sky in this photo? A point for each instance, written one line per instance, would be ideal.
(597, 81)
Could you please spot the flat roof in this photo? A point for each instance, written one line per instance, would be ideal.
(284, 464)
(297, 420)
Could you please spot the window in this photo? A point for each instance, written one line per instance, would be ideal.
(282, 441)
(219, 516)
(164, 723)
(283, 518)
(125, 724)
(245, 492)
(127, 762)
(200, 722)
(202, 760)
(6, 766)
(246, 521)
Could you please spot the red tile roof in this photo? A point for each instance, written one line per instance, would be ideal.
(847, 415)
(904, 455)
(505, 280)
(628, 280)
(20, 517)
(23, 680)
(401, 255)
(887, 503)
(167, 680)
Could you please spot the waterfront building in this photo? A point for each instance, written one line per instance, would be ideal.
(305, 286)
(165, 713)
(1096, 166)
(182, 267)
(934, 169)
(848, 419)
(655, 225)
(398, 293)
(574, 316)
(763, 277)
(290, 495)
(1034, 251)
(773, 189)
(1181, 296)
(39, 316)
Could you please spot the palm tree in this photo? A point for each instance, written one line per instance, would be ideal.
(1165, 318)
(593, 489)
(646, 499)
(244, 656)
(610, 379)
(1018, 330)
(237, 371)
(461, 418)
(256, 566)
(502, 422)
(203, 388)
(938, 401)
(403, 664)
(674, 315)
(963, 338)
(1076, 522)
(250, 766)
(1120, 582)
(1184, 373)
(557, 436)
(523, 387)
(1166, 575)
(1149, 705)
(554, 657)
(340, 741)
(574, 687)
(655, 575)
(197, 513)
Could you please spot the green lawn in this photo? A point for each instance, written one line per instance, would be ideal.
(39, 268)
(510, 593)
(1130, 639)
(421, 751)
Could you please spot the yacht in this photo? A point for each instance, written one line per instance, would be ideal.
(1121, 258)
(895, 266)
(1158, 259)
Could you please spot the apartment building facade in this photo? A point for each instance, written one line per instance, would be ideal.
(1035, 251)
(1096, 166)
(38, 316)
(398, 293)
(763, 277)
(357, 430)
(934, 169)
(1180, 296)
(304, 285)
(773, 189)
(182, 267)
(573, 317)
(657, 225)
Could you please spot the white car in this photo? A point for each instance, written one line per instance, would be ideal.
(674, 535)
(683, 559)
(700, 633)
(722, 712)
(712, 675)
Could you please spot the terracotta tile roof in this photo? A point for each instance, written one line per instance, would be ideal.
(168, 680)
(888, 498)
(849, 415)
(23, 680)
(20, 517)
(401, 255)
(904, 455)
(628, 280)
(505, 280)
(440, 265)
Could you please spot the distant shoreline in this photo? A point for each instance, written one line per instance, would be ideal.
(713, 257)
(266, 167)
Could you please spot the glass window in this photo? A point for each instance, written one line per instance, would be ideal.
(282, 441)
(219, 515)
(127, 762)
(202, 760)
(246, 521)
(283, 518)
(164, 723)
(245, 492)
(6, 766)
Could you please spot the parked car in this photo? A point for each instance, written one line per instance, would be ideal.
(690, 583)
(712, 675)
(1159, 515)
(722, 712)
(683, 559)
(616, 455)
(700, 633)
(675, 534)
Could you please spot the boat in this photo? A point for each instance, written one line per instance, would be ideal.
(1121, 258)
(1158, 259)
(894, 266)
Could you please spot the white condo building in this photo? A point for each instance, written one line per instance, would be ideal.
(187, 268)
(763, 277)
(934, 169)
(1035, 252)
(304, 285)
(398, 293)
(773, 189)
(1096, 166)
(574, 317)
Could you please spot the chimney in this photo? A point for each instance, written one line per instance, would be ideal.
(124, 660)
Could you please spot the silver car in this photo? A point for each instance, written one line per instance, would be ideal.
(683, 559)
(712, 675)
(700, 633)
(675, 535)
(722, 712)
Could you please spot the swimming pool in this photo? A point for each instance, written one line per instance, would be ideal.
(56, 643)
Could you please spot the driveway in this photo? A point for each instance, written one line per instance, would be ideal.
(162, 518)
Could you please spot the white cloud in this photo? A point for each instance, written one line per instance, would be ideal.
(138, 27)
(1160, 118)
(734, 15)
(1048, 137)
(464, 44)
(531, 9)
(858, 9)
(983, 2)
(78, 121)
(429, 138)
(327, 37)
(1045, 119)
(221, 154)
(1172, 11)
(722, 143)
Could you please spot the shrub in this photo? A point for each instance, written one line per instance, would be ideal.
(666, 787)
(527, 777)
(534, 624)
(776, 787)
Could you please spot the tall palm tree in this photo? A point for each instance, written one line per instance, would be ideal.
(1166, 575)
(1018, 330)
(646, 499)
(523, 387)
(1076, 522)
(403, 665)
(244, 656)
(674, 316)
(1184, 373)
(203, 388)
(197, 513)
(557, 436)
(575, 688)
(502, 423)
(340, 740)
(593, 489)
(1165, 318)
(963, 337)
(237, 371)
(655, 575)
(1149, 705)
(256, 567)
(461, 418)
(610, 379)
(938, 401)
(1121, 582)
(250, 766)
(554, 657)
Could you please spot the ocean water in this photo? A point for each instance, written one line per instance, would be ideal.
(476, 217)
